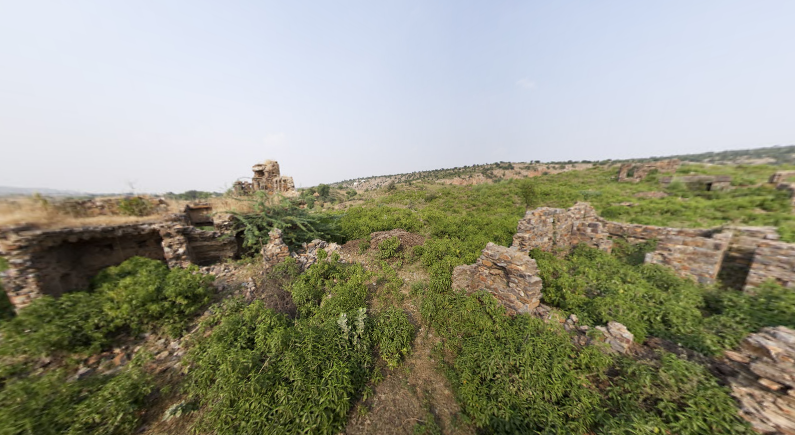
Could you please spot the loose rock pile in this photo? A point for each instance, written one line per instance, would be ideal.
(277, 251)
(764, 379)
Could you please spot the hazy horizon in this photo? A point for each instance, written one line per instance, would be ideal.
(97, 96)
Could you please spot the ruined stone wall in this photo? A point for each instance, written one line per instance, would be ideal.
(762, 379)
(507, 273)
(701, 182)
(51, 262)
(635, 172)
(702, 254)
(267, 178)
(551, 229)
(692, 257)
(772, 260)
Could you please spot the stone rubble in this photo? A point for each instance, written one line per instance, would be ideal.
(277, 251)
(762, 379)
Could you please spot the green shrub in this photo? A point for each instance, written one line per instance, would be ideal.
(48, 403)
(298, 225)
(6, 307)
(72, 323)
(137, 295)
(135, 206)
(521, 375)
(393, 335)
(142, 293)
(389, 248)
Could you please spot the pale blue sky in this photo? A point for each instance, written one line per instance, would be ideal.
(178, 95)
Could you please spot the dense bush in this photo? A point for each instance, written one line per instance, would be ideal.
(521, 375)
(388, 248)
(135, 206)
(260, 372)
(393, 335)
(139, 294)
(298, 225)
(142, 293)
(49, 403)
(651, 300)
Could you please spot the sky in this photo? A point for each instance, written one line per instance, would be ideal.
(156, 96)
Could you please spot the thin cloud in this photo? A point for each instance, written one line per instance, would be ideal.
(526, 84)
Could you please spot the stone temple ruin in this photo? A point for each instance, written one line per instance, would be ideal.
(267, 178)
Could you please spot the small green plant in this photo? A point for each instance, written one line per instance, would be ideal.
(135, 206)
(394, 334)
(389, 248)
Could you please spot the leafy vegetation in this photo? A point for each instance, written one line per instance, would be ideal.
(298, 224)
(138, 295)
(49, 403)
(521, 375)
(261, 372)
(253, 370)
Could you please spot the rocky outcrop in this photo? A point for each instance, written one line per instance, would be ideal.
(507, 273)
(763, 380)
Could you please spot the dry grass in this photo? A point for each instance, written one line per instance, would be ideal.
(30, 211)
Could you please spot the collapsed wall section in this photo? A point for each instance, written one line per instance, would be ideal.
(692, 253)
(507, 273)
(772, 260)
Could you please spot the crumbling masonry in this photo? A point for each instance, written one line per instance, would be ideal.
(747, 254)
(52, 262)
(267, 178)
